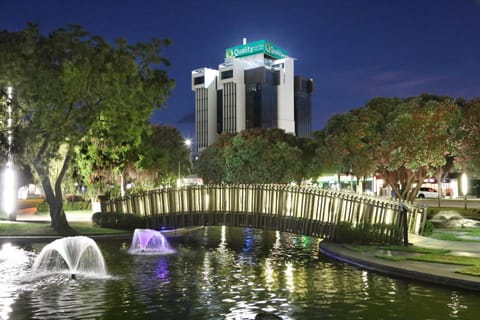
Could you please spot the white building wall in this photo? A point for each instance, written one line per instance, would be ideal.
(205, 107)
(234, 95)
(233, 98)
(285, 95)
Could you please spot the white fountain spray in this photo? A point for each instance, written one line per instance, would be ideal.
(71, 255)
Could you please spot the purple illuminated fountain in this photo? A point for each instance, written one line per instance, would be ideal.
(149, 241)
(71, 255)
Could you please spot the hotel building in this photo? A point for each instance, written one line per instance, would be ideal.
(255, 87)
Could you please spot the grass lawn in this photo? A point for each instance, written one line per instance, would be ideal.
(44, 229)
(398, 253)
(457, 234)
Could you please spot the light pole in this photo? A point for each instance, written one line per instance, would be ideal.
(9, 195)
(188, 144)
(464, 181)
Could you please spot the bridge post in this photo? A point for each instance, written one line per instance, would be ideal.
(403, 215)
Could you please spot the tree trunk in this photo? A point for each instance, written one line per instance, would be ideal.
(54, 198)
(439, 186)
(58, 217)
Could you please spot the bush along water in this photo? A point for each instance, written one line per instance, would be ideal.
(346, 232)
(124, 221)
(428, 229)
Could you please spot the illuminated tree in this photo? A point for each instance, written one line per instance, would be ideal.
(344, 146)
(404, 140)
(253, 156)
(72, 87)
(210, 164)
(468, 155)
(164, 154)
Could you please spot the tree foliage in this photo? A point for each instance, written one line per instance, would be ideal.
(72, 88)
(253, 156)
(164, 155)
(404, 140)
(468, 154)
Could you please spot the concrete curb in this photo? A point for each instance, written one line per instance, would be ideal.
(440, 274)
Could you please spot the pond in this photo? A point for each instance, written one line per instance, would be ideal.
(221, 273)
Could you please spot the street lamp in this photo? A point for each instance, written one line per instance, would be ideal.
(464, 181)
(188, 144)
(9, 195)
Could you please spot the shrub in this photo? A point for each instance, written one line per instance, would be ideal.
(364, 233)
(43, 207)
(77, 205)
(125, 221)
(67, 206)
(428, 228)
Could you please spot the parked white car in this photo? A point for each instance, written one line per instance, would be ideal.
(427, 193)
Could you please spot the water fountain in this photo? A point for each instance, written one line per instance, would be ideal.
(149, 241)
(78, 255)
(452, 219)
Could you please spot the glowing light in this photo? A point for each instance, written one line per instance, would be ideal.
(9, 199)
(464, 184)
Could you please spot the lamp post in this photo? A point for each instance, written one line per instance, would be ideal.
(9, 195)
(188, 144)
(464, 181)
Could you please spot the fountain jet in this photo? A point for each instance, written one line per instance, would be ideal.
(149, 241)
(71, 255)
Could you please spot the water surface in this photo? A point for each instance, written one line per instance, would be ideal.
(224, 273)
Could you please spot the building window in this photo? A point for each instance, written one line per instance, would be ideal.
(227, 74)
(199, 80)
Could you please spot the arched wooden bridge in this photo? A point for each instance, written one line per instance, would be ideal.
(304, 210)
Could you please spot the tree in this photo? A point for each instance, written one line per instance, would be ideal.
(416, 143)
(164, 155)
(404, 140)
(255, 155)
(71, 87)
(468, 154)
(210, 164)
(343, 146)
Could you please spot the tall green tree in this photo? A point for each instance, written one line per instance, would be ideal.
(72, 86)
(404, 140)
(252, 156)
(210, 164)
(347, 138)
(416, 143)
(468, 156)
(164, 155)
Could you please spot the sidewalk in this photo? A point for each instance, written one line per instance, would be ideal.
(31, 216)
(437, 273)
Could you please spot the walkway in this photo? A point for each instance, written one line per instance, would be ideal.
(437, 273)
(28, 215)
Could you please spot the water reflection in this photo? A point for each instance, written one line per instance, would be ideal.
(14, 262)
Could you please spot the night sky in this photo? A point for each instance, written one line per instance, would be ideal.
(354, 50)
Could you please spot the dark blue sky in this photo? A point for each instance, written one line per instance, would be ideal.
(354, 50)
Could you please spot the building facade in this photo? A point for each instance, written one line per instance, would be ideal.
(255, 87)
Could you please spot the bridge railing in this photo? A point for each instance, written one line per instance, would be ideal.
(305, 210)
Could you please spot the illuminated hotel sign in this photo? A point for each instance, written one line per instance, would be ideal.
(261, 46)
